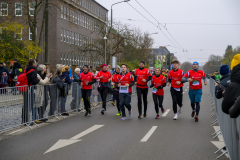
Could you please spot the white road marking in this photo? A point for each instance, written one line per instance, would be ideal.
(183, 92)
(166, 112)
(93, 128)
(187, 87)
(65, 142)
(148, 135)
(15, 131)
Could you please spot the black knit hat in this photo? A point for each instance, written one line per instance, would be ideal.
(1, 62)
(15, 59)
(142, 62)
(85, 66)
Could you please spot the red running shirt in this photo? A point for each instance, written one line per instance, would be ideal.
(106, 76)
(115, 79)
(158, 81)
(197, 78)
(126, 79)
(142, 74)
(86, 78)
(176, 76)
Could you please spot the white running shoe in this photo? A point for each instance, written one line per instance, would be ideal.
(180, 110)
(175, 117)
(124, 118)
(130, 113)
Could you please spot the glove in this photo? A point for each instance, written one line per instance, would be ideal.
(160, 87)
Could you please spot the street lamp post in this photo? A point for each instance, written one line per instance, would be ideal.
(105, 38)
(111, 28)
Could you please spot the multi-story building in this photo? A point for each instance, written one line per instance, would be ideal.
(72, 25)
(160, 56)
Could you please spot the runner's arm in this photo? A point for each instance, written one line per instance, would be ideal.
(132, 82)
(185, 77)
(149, 78)
(163, 85)
(93, 81)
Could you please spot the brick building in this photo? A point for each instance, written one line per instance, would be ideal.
(72, 24)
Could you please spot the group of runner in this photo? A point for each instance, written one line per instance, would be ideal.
(123, 82)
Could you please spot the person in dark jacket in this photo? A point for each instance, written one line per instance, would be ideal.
(225, 73)
(76, 91)
(32, 80)
(234, 111)
(2, 69)
(16, 66)
(232, 91)
(68, 80)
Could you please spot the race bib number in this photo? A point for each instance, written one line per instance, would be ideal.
(154, 90)
(195, 83)
(177, 89)
(123, 89)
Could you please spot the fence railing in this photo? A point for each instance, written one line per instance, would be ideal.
(229, 127)
(42, 102)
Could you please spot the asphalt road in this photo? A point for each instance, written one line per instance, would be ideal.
(183, 139)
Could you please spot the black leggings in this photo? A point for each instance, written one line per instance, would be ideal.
(104, 93)
(86, 94)
(158, 100)
(197, 107)
(140, 92)
(116, 97)
(176, 98)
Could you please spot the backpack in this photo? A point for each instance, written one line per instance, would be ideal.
(22, 81)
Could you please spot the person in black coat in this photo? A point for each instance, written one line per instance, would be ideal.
(219, 90)
(32, 80)
(16, 65)
(232, 91)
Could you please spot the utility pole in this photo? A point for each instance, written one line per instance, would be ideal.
(46, 34)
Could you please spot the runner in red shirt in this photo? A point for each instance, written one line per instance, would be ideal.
(105, 78)
(142, 76)
(87, 79)
(174, 78)
(158, 82)
(125, 83)
(194, 77)
(116, 88)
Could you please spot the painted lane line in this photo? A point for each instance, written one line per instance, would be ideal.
(148, 135)
(93, 128)
(187, 87)
(66, 142)
(15, 131)
(183, 92)
(166, 112)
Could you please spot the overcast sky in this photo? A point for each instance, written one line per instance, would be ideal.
(202, 27)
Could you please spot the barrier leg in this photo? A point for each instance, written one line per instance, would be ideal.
(222, 155)
(217, 135)
(216, 132)
(219, 149)
(214, 123)
(213, 114)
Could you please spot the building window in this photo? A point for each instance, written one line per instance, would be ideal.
(73, 16)
(18, 9)
(70, 37)
(78, 39)
(70, 16)
(61, 35)
(30, 34)
(61, 11)
(61, 59)
(67, 36)
(31, 8)
(19, 34)
(64, 12)
(76, 18)
(4, 9)
(67, 14)
(75, 38)
(64, 39)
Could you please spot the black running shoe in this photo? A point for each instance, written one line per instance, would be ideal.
(90, 111)
(102, 112)
(86, 114)
(140, 117)
(145, 115)
(193, 113)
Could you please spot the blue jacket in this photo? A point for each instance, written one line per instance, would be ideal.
(70, 72)
(4, 80)
(67, 78)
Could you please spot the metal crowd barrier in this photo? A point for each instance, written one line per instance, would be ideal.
(18, 108)
(229, 127)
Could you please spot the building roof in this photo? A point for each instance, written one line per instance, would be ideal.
(100, 5)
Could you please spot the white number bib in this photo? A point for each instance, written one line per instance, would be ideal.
(154, 90)
(177, 89)
(123, 89)
(195, 83)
